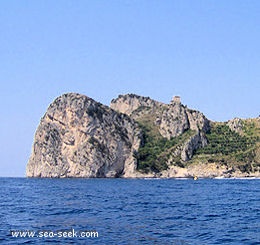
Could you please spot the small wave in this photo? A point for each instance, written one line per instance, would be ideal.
(152, 178)
(239, 178)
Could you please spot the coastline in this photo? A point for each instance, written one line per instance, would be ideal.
(209, 171)
(147, 177)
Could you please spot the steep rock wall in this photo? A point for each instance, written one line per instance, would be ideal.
(78, 137)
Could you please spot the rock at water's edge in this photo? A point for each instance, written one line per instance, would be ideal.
(79, 137)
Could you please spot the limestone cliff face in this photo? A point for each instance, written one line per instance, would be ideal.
(78, 137)
(193, 143)
(236, 125)
(136, 106)
(171, 120)
(176, 119)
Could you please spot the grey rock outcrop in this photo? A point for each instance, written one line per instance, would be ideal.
(196, 141)
(236, 125)
(176, 119)
(136, 106)
(171, 120)
(79, 137)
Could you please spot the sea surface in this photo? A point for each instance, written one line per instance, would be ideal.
(129, 211)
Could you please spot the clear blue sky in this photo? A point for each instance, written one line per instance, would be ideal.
(208, 52)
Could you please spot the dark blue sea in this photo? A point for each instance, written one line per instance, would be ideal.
(129, 211)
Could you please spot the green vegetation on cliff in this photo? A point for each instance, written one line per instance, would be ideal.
(222, 140)
(153, 145)
(157, 150)
(227, 147)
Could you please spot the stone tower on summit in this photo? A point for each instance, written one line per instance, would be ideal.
(176, 99)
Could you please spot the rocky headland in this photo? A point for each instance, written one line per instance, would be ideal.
(79, 137)
(140, 137)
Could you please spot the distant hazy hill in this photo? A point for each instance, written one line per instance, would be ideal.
(140, 137)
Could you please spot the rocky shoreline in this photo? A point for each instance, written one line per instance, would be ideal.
(210, 171)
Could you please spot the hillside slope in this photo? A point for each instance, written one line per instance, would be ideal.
(180, 142)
